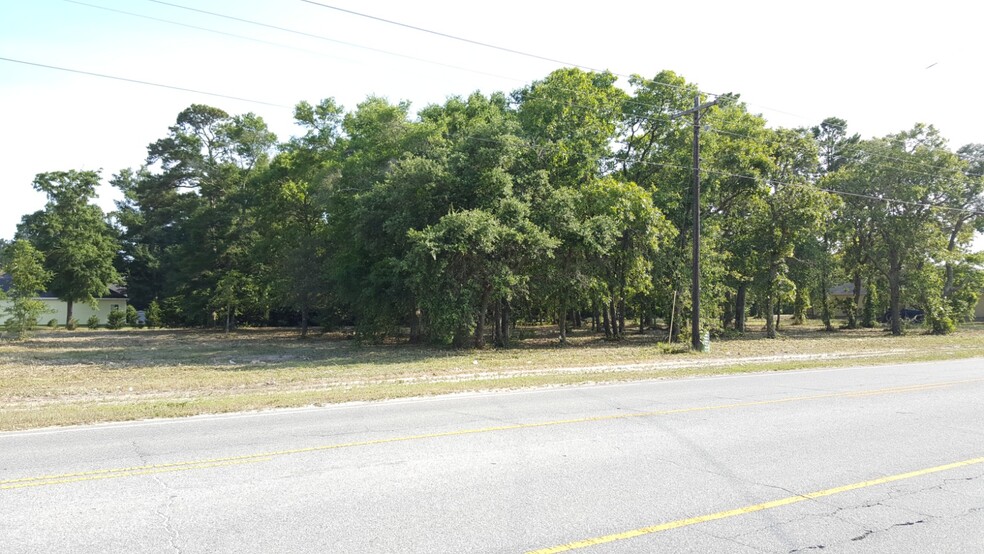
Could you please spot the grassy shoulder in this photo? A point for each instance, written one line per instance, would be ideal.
(67, 378)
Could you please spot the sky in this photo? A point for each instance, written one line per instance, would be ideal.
(882, 66)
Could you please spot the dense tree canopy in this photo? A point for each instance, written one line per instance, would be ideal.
(567, 199)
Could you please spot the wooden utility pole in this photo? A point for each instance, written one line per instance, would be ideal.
(696, 341)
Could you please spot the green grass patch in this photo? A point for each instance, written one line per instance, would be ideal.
(61, 377)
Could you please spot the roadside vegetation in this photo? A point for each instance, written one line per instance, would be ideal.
(569, 197)
(76, 377)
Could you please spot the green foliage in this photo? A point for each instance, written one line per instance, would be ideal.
(131, 316)
(72, 324)
(78, 244)
(868, 314)
(93, 322)
(154, 315)
(116, 319)
(52, 323)
(571, 195)
(28, 278)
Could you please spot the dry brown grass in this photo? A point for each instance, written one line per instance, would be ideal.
(59, 377)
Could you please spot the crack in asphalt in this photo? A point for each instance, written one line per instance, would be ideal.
(870, 532)
(814, 547)
(164, 510)
(733, 540)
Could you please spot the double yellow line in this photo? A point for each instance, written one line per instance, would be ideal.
(118, 473)
(585, 543)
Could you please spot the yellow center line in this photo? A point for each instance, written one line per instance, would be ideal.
(262, 456)
(750, 509)
(115, 474)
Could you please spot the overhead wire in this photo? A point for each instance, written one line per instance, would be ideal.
(540, 57)
(196, 27)
(485, 44)
(322, 37)
(185, 89)
(142, 82)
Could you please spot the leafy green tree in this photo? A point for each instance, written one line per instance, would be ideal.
(294, 247)
(836, 149)
(468, 261)
(155, 317)
(78, 244)
(792, 212)
(131, 316)
(116, 319)
(27, 279)
(190, 216)
(913, 171)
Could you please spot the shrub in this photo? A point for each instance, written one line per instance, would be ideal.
(93, 322)
(154, 316)
(115, 320)
(72, 324)
(52, 323)
(131, 316)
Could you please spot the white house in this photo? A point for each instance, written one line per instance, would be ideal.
(114, 299)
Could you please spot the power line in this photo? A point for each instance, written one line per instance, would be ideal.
(196, 27)
(645, 118)
(140, 82)
(488, 45)
(323, 37)
(453, 37)
(468, 41)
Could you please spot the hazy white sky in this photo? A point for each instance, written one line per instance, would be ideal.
(882, 66)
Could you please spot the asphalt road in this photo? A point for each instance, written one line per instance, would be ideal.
(884, 459)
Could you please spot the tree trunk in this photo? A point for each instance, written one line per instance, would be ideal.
(68, 316)
(951, 246)
(595, 318)
(304, 320)
(895, 291)
(800, 306)
(728, 317)
(778, 313)
(416, 324)
(613, 315)
(606, 323)
(770, 324)
(506, 323)
(621, 317)
(770, 328)
(562, 322)
(228, 318)
(677, 317)
(480, 325)
(740, 308)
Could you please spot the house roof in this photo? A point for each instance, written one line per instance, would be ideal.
(115, 291)
(844, 289)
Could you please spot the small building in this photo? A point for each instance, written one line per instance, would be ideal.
(114, 299)
(839, 294)
(979, 310)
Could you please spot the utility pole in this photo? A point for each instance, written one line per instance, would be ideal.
(696, 341)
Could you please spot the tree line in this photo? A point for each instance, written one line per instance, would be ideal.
(565, 200)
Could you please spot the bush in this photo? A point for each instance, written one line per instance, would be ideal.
(72, 324)
(154, 315)
(115, 320)
(131, 316)
(52, 323)
(93, 322)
